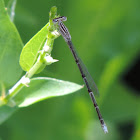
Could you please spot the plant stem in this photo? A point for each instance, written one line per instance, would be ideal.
(20, 84)
(33, 70)
(42, 59)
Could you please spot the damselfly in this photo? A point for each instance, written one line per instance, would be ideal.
(91, 86)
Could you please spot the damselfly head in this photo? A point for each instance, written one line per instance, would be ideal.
(62, 18)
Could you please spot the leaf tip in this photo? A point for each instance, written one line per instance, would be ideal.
(53, 12)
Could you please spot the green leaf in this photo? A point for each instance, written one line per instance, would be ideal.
(42, 88)
(10, 48)
(30, 51)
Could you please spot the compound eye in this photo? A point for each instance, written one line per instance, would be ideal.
(64, 18)
(55, 20)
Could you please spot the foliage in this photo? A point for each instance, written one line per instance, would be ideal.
(40, 88)
(107, 35)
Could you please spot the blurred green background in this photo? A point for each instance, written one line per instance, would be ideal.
(106, 34)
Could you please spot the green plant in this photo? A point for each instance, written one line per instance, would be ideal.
(107, 37)
(35, 56)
